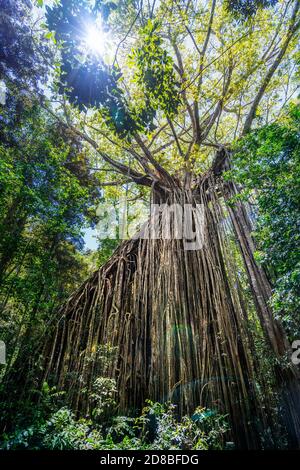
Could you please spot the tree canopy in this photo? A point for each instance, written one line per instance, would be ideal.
(184, 78)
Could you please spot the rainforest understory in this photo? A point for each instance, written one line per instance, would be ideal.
(150, 342)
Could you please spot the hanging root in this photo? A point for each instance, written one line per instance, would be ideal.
(168, 324)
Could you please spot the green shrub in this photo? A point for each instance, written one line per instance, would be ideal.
(157, 427)
(60, 432)
(205, 429)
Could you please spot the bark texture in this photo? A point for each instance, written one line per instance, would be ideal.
(172, 324)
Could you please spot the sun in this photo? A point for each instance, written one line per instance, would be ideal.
(95, 40)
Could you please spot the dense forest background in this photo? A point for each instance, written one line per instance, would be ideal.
(69, 143)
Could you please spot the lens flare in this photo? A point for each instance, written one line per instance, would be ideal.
(95, 40)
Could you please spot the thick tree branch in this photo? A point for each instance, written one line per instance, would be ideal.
(209, 122)
(180, 70)
(161, 172)
(175, 137)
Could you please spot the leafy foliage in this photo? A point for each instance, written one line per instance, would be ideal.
(86, 79)
(46, 198)
(156, 74)
(89, 82)
(204, 430)
(59, 432)
(20, 59)
(248, 8)
(102, 397)
(267, 163)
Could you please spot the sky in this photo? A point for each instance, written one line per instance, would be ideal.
(90, 239)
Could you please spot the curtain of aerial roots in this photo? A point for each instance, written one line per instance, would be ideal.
(168, 323)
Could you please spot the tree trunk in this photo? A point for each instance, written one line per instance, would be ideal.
(168, 324)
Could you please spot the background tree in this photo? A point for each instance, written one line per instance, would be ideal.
(19, 33)
(47, 198)
(267, 165)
